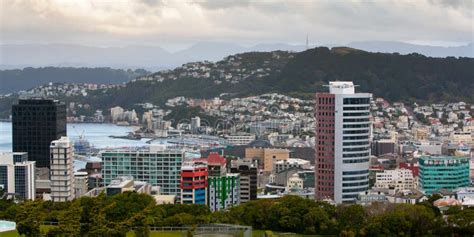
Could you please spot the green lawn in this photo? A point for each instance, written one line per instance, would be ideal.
(9, 234)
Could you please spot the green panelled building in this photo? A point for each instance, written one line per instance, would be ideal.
(154, 164)
(443, 172)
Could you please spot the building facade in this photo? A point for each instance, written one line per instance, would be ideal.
(194, 182)
(224, 192)
(17, 175)
(62, 170)
(342, 144)
(398, 179)
(35, 124)
(248, 179)
(443, 172)
(154, 164)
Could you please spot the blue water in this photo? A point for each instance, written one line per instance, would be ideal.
(96, 134)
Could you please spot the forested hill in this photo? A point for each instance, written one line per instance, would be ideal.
(22, 79)
(396, 77)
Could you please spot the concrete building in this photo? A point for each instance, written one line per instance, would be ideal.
(194, 182)
(342, 144)
(195, 124)
(17, 175)
(224, 192)
(122, 184)
(240, 139)
(155, 164)
(81, 185)
(295, 182)
(267, 156)
(62, 170)
(248, 179)
(290, 163)
(443, 172)
(398, 179)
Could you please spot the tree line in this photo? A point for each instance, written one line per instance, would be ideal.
(122, 213)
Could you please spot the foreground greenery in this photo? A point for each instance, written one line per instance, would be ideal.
(118, 215)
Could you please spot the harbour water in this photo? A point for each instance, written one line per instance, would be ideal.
(97, 134)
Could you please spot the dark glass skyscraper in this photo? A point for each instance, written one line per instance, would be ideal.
(37, 122)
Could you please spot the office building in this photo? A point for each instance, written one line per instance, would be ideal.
(155, 164)
(443, 172)
(62, 170)
(194, 182)
(266, 156)
(342, 144)
(240, 139)
(35, 124)
(398, 179)
(217, 164)
(17, 175)
(282, 165)
(195, 124)
(224, 192)
(248, 179)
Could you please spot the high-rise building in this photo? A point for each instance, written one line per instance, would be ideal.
(224, 188)
(342, 146)
(443, 172)
(62, 170)
(36, 123)
(154, 164)
(17, 175)
(194, 182)
(248, 179)
(224, 191)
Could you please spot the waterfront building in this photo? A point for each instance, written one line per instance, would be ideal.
(194, 182)
(443, 172)
(62, 170)
(342, 142)
(248, 179)
(17, 175)
(35, 124)
(154, 164)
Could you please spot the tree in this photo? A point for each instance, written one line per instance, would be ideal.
(29, 217)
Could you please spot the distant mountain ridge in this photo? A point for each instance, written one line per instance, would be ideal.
(22, 79)
(154, 58)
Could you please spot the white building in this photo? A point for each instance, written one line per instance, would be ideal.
(80, 184)
(295, 182)
(240, 139)
(62, 170)
(195, 124)
(342, 144)
(398, 179)
(290, 163)
(17, 175)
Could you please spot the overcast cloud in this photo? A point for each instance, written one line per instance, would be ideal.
(160, 22)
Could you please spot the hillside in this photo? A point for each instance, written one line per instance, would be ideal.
(23, 79)
(395, 77)
(392, 76)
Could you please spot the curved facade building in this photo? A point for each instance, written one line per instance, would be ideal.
(342, 147)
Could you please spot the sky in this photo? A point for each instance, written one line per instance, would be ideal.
(179, 23)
